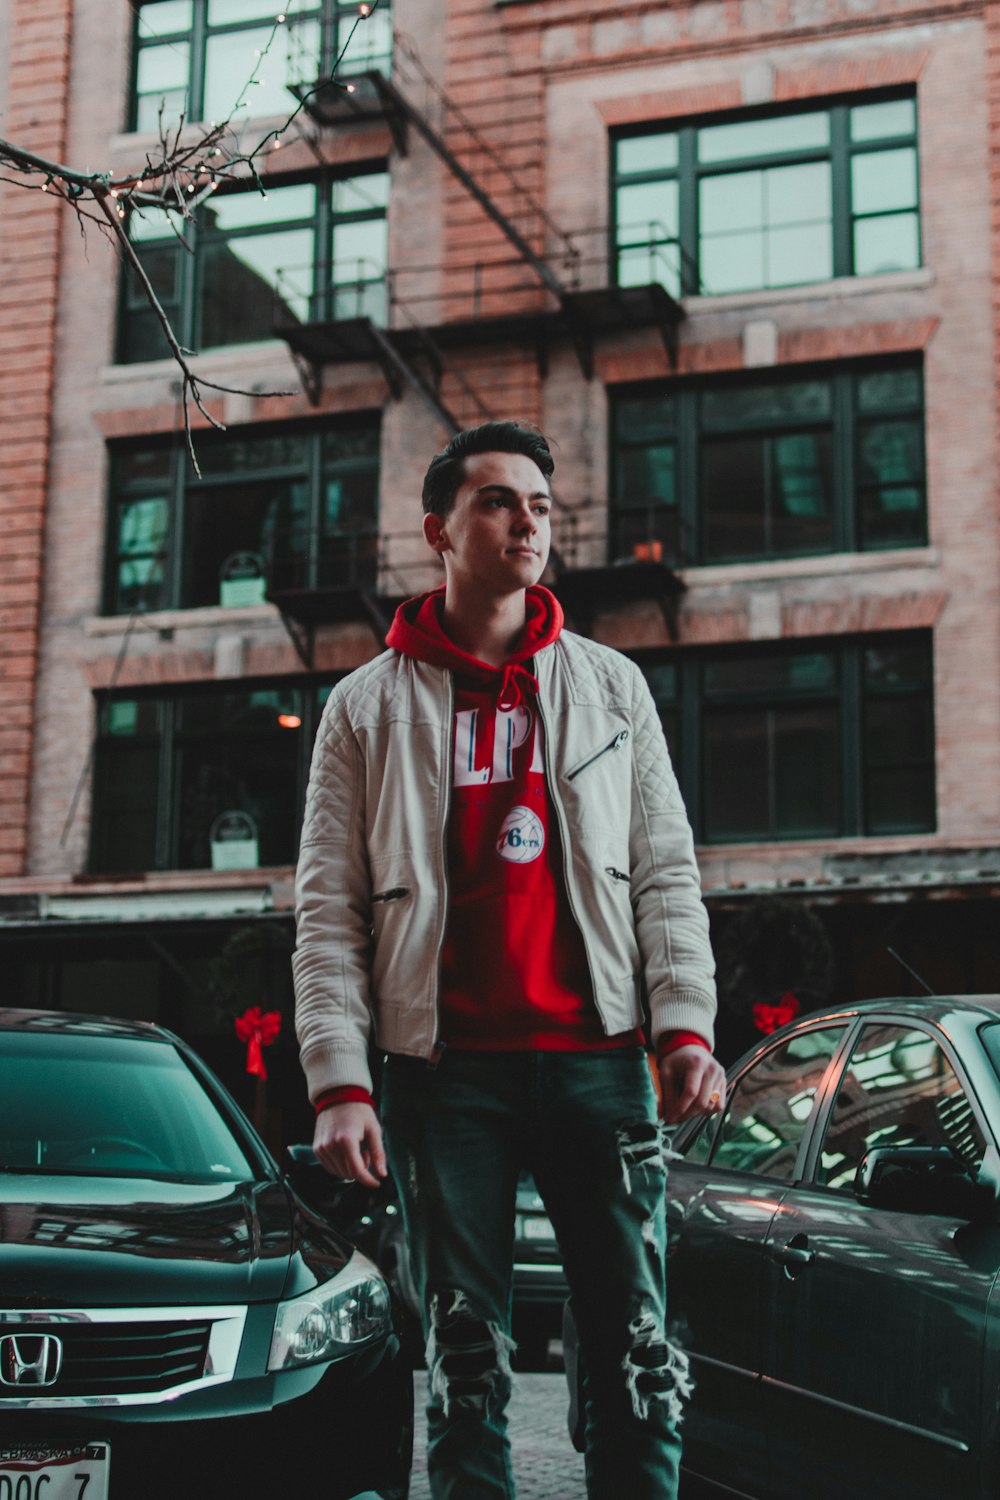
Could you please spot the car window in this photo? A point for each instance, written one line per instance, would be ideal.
(110, 1106)
(898, 1089)
(771, 1104)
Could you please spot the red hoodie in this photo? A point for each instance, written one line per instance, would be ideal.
(514, 973)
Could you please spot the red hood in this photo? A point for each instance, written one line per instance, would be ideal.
(417, 631)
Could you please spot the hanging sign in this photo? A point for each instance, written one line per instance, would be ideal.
(241, 579)
(234, 842)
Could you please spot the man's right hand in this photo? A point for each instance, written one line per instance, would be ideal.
(348, 1142)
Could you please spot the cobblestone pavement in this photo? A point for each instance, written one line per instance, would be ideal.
(545, 1464)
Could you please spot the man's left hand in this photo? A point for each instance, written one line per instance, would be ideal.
(692, 1083)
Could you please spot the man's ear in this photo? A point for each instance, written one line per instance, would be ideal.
(434, 532)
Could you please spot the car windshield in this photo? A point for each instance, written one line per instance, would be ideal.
(90, 1105)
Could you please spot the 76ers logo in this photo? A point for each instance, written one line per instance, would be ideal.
(522, 837)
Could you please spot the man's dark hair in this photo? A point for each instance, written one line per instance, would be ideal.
(447, 468)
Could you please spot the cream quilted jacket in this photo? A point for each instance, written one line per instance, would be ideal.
(372, 884)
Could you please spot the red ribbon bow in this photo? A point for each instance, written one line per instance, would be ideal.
(768, 1018)
(258, 1029)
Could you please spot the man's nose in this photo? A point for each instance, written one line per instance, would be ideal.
(525, 518)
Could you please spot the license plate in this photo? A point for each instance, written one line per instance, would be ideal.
(534, 1229)
(30, 1473)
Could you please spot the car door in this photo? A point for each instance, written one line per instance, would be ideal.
(722, 1198)
(876, 1319)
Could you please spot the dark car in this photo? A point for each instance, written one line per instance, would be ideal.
(174, 1318)
(834, 1257)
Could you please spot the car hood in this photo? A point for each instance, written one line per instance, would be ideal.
(97, 1242)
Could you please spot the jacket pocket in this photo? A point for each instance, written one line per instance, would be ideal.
(397, 893)
(620, 739)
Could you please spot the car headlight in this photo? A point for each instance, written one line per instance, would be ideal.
(350, 1309)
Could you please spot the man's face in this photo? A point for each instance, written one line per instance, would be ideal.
(497, 534)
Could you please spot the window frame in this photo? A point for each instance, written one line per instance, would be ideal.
(329, 15)
(689, 173)
(170, 738)
(689, 433)
(181, 483)
(185, 305)
(688, 708)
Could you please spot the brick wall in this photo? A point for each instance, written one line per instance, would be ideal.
(37, 91)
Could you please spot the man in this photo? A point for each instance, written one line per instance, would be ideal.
(496, 866)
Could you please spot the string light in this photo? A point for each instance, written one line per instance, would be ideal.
(281, 19)
(277, 143)
(349, 88)
(364, 8)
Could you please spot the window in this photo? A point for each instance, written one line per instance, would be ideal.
(768, 200)
(296, 507)
(212, 59)
(898, 1089)
(252, 262)
(735, 471)
(803, 742)
(766, 1117)
(202, 780)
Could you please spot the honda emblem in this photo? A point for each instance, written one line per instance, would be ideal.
(30, 1359)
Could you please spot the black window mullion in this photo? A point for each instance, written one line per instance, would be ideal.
(196, 79)
(323, 249)
(688, 477)
(165, 841)
(846, 523)
(840, 186)
(687, 211)
(852, 741)
(178, 524)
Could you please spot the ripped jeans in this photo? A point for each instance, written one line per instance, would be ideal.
(584, 1124)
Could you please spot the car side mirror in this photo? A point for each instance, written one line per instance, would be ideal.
(922, 1180)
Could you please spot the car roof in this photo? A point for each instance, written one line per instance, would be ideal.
(76, 1023)
(928, 1007)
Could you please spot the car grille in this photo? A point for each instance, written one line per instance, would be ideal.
(119, 1359)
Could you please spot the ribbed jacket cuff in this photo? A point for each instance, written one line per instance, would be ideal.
(335, 1066)
(684, 1010)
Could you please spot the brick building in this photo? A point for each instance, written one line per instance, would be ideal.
(737, 260)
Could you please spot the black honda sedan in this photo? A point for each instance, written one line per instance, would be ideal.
(834, 1263)
(174, 1319)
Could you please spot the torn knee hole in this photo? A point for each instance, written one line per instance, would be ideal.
(656, 1370)
(468, 1357)
(641, 1146)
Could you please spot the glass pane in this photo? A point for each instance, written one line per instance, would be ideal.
(733, 498)
(242, 293)
(662, 682)
(125, 718)
(647, 153)
(126, 794)
(731, 263)
(233, 12)
(888, 244)
(225, 212)
(230, 60)
(890, 452)
(165, 17)
(748, 405)
(736, 771)
(360, 250)
(800, 493)
(371, 44)
(162, 69)
(770, 1107)
(253, 774)
(353, 195)
(148, 224)
(735, 201)
(798, 195)
(898, 731)
(253, 518)
(900, 799)
(883, 180)
(265, 450)
(901, 668)
(647, 212)
(139, 464)
(876, 122)
(239, 712)
(794, 256)
(898, 1089)
(798, 671)
(141, 585)
(646, 474)
(806, 771)
(652, 265)
(346, 443)
(751, 138)
(142, 525)
(892, 516)
(645, 417)
(889, 390)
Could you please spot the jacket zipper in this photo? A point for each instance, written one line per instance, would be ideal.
(437, 1046)
(564, 840)
(614, 744)
(395, 894)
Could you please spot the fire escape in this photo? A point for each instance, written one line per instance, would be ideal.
(413, 322)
